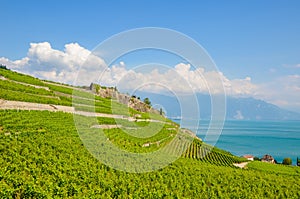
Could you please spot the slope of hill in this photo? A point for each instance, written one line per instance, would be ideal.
(42, 155)
(26, 90)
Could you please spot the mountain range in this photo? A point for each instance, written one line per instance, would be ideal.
(236, 108)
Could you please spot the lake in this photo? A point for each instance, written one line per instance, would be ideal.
(278, 138)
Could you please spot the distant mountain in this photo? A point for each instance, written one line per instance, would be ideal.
(236, 108)
(254, 109)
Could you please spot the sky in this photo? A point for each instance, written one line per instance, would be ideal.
(254, 44)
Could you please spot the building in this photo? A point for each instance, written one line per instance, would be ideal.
(268, 158)
(249, 157)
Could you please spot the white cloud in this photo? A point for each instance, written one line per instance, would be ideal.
(14, 64)
(182, 78)
(122, 63)
(45, 62)
(283, 91)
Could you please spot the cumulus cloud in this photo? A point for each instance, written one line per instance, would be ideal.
(283, 91)
(181, 78)
(63, 66)
(45, 62)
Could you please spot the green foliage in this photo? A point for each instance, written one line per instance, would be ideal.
(13, 86)
(21, 77)
(25, 88)
(256, 158)
(27, 97)
(3, 67)
(43, 157)
(133, 139)
(287, 161)
(274, 168)
(160, 111)
(97, 87)
(61, 89)
(147, 101)
(203, 152)
(21, 87)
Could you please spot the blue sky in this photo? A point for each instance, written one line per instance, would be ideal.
(257, 39)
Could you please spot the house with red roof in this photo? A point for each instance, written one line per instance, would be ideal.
(249, 157)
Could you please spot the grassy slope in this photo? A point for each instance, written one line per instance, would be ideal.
(42, 156)
(20, 87)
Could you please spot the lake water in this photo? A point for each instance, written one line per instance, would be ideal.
(278, 138)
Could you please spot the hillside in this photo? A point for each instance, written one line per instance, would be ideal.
(43, 155)
(23, 92)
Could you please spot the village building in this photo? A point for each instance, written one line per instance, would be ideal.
(249, 157)
(268, 158)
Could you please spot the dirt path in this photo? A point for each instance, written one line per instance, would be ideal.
(16, 105)
(241, 165)
(6, 104)
(32, 85)
(107, 126)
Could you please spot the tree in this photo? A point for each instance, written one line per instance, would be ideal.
(97, 87)
(147, 101)
(160, 111)
(256, 158)
(287, 161)
(3, 67)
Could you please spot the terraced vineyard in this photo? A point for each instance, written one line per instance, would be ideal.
(18, 87)
(203, 152)
(42, 155)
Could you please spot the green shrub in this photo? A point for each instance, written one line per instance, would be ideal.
(287, 161)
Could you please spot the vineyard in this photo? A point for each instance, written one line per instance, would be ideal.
(274, 168)
(203, 152)
(42, 154)
(18, 87)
